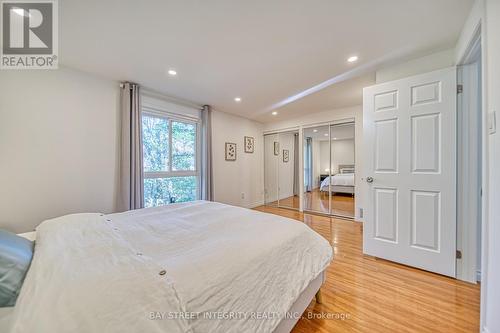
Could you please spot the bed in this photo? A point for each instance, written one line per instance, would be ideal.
(343, 182)
(187, 267)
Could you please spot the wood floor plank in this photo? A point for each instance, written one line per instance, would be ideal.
(317, 201)
(374, 295)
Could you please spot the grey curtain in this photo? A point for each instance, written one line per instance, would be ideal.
(131, 167)
(207, 188)
(296, 188)
(309, 165)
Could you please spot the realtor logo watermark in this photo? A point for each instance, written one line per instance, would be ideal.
(29, 34)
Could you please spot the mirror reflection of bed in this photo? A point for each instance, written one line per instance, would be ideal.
(329, 169)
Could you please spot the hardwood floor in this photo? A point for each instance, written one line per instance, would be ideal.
(342, 204)
(374, 295)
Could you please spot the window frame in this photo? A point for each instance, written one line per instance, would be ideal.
(174, 117)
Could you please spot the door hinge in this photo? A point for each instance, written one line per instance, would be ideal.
(460, 88)
(459, 254)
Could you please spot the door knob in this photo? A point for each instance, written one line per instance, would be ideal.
(369, 179)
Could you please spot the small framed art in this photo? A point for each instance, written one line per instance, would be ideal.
(286, 155)
(249, 144)
(230, 151)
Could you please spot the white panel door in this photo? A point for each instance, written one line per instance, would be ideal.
(409, 127)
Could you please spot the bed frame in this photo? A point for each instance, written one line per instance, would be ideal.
(301, 304)
(344, 168)
(342, 189)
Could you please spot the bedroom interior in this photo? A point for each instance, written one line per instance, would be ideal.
(269, 167)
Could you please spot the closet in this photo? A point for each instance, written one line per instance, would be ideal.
(329, 169)
(281, 169)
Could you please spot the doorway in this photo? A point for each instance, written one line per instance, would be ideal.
(469, 166)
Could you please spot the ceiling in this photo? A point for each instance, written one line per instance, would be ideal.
(262, 51)
(339, 95)
(339, 132)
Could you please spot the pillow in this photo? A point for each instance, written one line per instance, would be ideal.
(15, 259)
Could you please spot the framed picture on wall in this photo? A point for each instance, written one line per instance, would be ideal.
(249, 144)
(230, 151)
(286, 155)
(276, 148)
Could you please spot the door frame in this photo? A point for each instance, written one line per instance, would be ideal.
(470, 215)
(474, 31)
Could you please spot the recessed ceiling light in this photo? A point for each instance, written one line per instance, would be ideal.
(326, 134)
(334, 138)
(237, 99)
(274, 113)
(352, 59)
(172, 72)
(315, 130)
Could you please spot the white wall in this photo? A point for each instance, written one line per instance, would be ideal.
(317, 163)
(324, 157)
(337, 115)
(58, 145)
(245, 176)
(342, 153)
(420, 65)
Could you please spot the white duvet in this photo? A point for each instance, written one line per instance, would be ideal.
(136, 271)
(341, 179)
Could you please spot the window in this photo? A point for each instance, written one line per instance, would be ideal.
(170, 153)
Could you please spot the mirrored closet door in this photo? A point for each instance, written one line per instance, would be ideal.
(281, 169)
(288, 170)
(342, 169)
(316, 169)
(271, 142)
(329, 169)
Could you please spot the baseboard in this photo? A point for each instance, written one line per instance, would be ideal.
(255, 204)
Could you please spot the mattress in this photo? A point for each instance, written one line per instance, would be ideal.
(343, 179)
(168, 269)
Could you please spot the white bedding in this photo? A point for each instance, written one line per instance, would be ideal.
(341, 179)
(101, 273)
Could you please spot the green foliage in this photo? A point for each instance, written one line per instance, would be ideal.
(161, 191)
(183, 146)
(155, 143)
